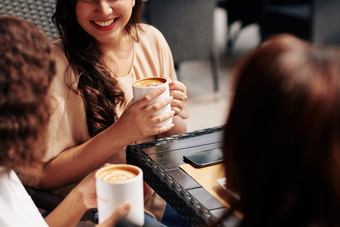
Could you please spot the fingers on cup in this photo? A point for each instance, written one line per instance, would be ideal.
(163, 129)
(177, 106)
(160, 104)
(121, 212)
(177, 85)
(124, 210)
(179, 95)
(152, 95)
(176, 110)
(163, 117)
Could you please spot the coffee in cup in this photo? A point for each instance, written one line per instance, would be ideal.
(144, 86)
(150, 82)
(117, 184)
(115, 174)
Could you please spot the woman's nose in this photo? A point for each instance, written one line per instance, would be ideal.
(104, 7)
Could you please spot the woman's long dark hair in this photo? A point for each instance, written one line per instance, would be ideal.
(98, 88)
(281, 144)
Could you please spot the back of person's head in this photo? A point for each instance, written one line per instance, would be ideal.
(26, 69)
(282, 138)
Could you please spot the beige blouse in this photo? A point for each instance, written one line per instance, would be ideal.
(68, 127)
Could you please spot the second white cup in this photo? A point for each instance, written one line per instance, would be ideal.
(117, 184)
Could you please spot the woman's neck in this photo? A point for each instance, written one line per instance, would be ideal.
(116, 44)
(118, 55)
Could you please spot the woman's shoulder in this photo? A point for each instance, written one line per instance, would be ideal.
(59, 54)
(149, 33)
(58, 48)
(149, 29)
(65, 75)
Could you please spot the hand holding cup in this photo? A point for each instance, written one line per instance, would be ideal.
(144, 86)
(118, 184)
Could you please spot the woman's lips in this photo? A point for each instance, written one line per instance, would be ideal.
(105, 25)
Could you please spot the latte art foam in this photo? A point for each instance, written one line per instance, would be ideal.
(150, 82)
(116, 175)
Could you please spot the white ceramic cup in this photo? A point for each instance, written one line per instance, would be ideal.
(144, 86)
(114, 187)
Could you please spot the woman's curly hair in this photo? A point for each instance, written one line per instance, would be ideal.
(26, 69)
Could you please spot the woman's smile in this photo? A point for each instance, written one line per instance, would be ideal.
(105, 25)
(104, 20)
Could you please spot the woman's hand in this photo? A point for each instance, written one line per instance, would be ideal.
(179, 93)
(147, 191)
(87, 190)
(76, 203)
(122, 211)
(137, 121)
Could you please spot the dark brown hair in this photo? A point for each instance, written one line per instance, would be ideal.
(26, 69)
(99, 90)
(282, 134)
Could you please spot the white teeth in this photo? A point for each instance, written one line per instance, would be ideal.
(104, 24)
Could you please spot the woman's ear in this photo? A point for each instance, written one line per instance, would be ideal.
(133, 3)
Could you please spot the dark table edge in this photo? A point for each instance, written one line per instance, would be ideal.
(175, 195)
(180, 137)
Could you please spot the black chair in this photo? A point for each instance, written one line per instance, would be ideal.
(244, 12)
(38, 12)
(188, 27)
(272, 16)
(317, 21)
(286, 16)
(326, 22)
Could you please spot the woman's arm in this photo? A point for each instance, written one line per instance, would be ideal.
(75, 163)
(68, 212)
(136, 122)
(77, 202)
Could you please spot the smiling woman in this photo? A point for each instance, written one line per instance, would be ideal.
(97, 17)
(103, 48)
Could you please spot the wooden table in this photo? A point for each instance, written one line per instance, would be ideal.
(160, 162)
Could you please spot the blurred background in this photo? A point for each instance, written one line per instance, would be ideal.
(207, 38)
(209, 108)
